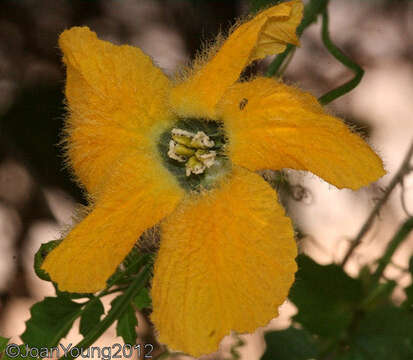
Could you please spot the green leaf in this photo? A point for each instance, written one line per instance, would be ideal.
(365, 276)
(351, 354)
(143, 299)
(127, 322)
(51, 319)
(3, 342)
(132, 264)
(117, 308)
(379, 296)
(41, 254)
(126, 326)
(72, 295)
(386, 333)
(289, 344)
(257, 5)
(325, 296)
(91, 316)
(411, 264)
(132, 258)
(408, 303)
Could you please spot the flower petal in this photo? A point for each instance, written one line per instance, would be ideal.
(226, 262)
(116, 97)
(266, 34)
(282, 127)
(137, 197)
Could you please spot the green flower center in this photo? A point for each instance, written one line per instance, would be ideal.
(193, 151)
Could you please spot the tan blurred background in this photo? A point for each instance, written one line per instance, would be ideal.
(37, 197)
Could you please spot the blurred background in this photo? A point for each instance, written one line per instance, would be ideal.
(38, 198)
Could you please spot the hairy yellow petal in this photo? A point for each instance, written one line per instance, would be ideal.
(137, 197)
(116, 97)
(226, 262)
(282, 127)
(266, 34)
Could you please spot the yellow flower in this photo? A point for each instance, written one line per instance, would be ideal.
(184, 153)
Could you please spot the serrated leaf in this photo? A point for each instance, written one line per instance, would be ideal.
(39, 257)
(289, 344)
(50, 320)
(386, 333)
(127, 322)
(70, 295)
(126, 326)
(91, 316)
(143, 299)
(325, 297)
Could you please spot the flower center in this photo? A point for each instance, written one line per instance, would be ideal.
(193, 151)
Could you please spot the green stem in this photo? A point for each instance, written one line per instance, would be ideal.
(278, 61)
(397, 240)
(114, 313)
(398, 177)
(112, 291)
(344, 59)
(311, 12)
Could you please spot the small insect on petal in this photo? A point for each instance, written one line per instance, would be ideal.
(243, 103)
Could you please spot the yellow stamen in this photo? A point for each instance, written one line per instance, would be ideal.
(194, 166)
(206, 157)
(172, 153)
(192, 149)
(181, 139)
(183, 150)
(202, 141)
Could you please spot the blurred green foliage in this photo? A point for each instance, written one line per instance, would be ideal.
(345, 318)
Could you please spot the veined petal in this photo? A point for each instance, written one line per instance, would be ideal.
(116, 97)
(226, 262)
(282, 127)
(137, 197)
(266, 34)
